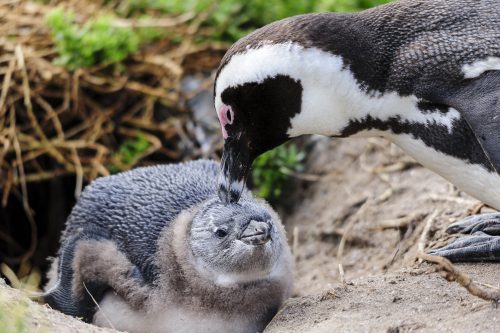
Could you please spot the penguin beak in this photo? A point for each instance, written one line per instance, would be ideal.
(256, 233)
(235, 167)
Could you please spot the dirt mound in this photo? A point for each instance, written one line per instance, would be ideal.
(378, 199)
(406, 301)
(19, 314)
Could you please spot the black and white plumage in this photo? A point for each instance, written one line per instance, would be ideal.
(424, 74)
(159, 252)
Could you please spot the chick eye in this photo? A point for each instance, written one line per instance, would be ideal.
(221, 233)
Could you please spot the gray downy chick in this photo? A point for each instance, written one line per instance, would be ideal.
(158, 252)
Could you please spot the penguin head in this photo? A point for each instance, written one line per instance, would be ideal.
(254, 118)
(256, 95)
(238, 242)
(289, 78)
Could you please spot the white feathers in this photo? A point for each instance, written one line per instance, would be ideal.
(474, 179)
(479, 67)
(232, 279)
(331, 95)
(115, 311)
(279, 271)
(471, 178)
(53, 283)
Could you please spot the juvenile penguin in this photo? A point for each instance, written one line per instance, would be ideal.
(424, 74)
(155, 250)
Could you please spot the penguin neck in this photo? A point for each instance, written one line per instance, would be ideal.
(335, 103)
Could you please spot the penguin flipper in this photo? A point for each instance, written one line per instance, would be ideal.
(101, 262)
(61, 296)
(483, 244)
(478, 101)
(88, 268)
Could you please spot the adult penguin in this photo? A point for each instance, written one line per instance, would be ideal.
(424, 74)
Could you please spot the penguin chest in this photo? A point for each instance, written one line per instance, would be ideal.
(473, 178)
(437, 137)
(114, 312)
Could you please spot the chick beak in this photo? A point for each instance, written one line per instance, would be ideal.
(256, 233)
(235, 167)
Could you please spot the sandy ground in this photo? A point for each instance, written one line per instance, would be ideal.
(381, 199)
(406, 301)
(19, 314)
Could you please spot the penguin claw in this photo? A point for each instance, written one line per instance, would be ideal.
(483, 244)
(488, 223)
(478, 247)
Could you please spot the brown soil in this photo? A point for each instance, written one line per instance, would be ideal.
(406, 301)
(385, 289)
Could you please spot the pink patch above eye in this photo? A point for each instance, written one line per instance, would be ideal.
(226, 116)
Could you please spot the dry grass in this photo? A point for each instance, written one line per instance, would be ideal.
(55, 122)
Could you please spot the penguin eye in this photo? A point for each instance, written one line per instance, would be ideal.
(221, 233)
(229, 115)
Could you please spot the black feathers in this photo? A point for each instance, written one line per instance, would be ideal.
(408, 46)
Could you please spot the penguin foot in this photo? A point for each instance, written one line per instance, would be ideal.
(483, 244)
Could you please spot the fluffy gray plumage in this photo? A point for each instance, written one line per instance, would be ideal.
(159, 252)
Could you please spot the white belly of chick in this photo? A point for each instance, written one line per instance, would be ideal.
(115, 313)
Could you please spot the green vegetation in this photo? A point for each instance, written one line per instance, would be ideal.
(273, 169)
(232, 19)
(129, 152)
(98, 41)
(95, 42)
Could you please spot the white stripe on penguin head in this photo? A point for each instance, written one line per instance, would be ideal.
(331, 94)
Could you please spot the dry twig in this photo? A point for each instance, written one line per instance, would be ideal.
(340, 250)
(451, 273)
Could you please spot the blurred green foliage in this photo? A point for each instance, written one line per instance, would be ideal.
(98, 41)
(95, 42)
(232, 19)
(129, 153)
(272, 171)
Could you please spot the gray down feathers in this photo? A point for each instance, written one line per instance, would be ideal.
(132, 208)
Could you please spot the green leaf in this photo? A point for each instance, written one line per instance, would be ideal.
(272, 171)
(232, 19)
(129, 153)
(96, 42)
